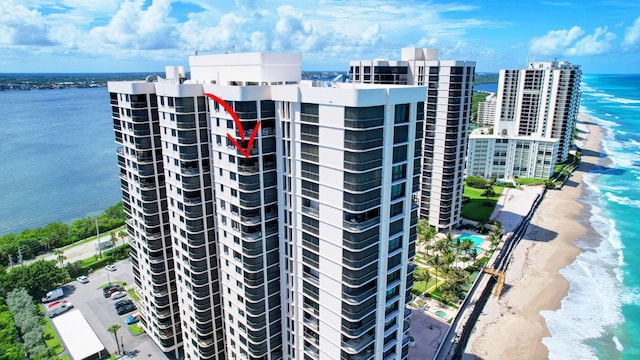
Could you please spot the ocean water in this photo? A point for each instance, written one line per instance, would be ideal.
(57, 157)
(600, 317)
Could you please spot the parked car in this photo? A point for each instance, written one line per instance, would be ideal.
(122, 303)
(58, 309)
(110, 267)
(53, 295)
(126, 309)
(133, 318)
(82, 279)
(110, 289)
(118, 294)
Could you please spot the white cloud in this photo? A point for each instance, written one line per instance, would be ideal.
(133, 27)
(22, 26)
(632, 36)
(227, 33)
(572, 42)
(555, 42)
(598, 43)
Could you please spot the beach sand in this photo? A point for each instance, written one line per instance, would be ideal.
(512, 327)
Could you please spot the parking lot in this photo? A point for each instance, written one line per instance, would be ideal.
(100, 313)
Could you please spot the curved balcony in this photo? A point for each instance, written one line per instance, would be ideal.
(358, 296)
(193, 200)
(355, 346)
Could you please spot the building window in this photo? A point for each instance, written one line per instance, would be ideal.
(402, 113)
(397, 191)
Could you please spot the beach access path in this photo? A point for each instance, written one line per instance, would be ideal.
(511, 327)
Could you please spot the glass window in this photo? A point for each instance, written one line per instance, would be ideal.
(402, 113)
(397, 191)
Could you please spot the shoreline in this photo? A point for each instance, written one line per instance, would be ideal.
(513, 327)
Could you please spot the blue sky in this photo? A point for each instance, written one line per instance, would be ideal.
(146, 35)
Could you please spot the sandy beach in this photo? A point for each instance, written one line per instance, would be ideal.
(512, 327)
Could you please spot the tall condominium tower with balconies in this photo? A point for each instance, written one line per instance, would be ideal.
(447, 115)
(535, 116)
(541, 100)
(295, 244)
(144, 195)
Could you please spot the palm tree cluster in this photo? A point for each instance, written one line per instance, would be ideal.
(447, 257)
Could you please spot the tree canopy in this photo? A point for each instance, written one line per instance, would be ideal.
(30, 242)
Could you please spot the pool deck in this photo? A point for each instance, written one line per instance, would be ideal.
(428, 330)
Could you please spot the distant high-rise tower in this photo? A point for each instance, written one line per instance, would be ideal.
(487, 111)
(299, 250)
(447, 114)
(535, 116)
(541, 100)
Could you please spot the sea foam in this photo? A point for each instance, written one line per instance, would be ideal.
(594, 299)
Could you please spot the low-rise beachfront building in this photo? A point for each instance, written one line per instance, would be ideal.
(511, 157)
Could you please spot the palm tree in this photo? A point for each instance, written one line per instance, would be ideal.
(495, 236)
(466, 246)
(426, 233)
(430, 234)
(122, 234)
(113, 240)
(457, 279)
(423, 275)
(437, 262)
(473, 253)
(114, 329)
(59, 256)
(457, 246)
(441, 245)
(481, 225)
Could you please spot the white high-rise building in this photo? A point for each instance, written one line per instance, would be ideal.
(447, 114)
(536, 107)
(542, 100)
(487, 110)
(298, 249)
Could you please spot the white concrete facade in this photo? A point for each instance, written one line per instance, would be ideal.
(536, 108)
(541, 100)
(300, 250)
(135, 120)
(509, 157)
(487, 111)
(447, 113)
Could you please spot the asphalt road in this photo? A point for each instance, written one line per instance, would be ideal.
(101, 314)
(83, 251)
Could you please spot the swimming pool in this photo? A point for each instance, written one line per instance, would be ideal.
(476, 240)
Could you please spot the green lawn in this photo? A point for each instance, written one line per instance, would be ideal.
(133, 295)
(479, 208)
(419, 286)
(135, 329)
(51, 338)
(529, 181)
(84, 241)
(121, 283)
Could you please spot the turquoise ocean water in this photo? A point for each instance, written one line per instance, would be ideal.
(57, 157)
(600, 317)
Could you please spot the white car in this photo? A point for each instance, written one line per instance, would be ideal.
(118, 294)
(110, 267)
(58, 309)
(82, 279)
